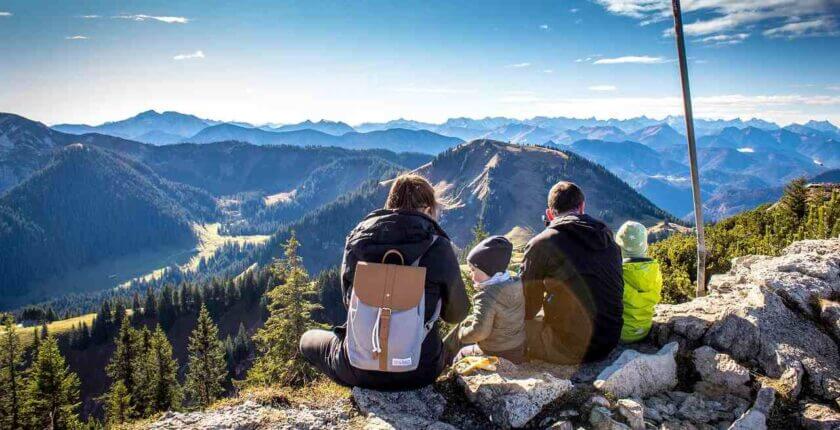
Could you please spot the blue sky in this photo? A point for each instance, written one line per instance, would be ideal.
(281, 62)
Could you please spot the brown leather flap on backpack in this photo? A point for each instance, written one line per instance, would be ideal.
(389, 285)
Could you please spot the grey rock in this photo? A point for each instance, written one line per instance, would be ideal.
(601, 419)
(677, 425)
(661, 407)
(597, 400)
(746, 315)
(633, 412)
(721, 370)
(695, 409)
(562, 425)
(249, 415)
(830, 315)
(640, 375)
(417, 409)
(756, 417)
(512, 395)
(819, 417)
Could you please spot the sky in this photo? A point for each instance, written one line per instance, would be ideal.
(368, 61)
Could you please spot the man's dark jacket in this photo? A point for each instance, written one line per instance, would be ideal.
(572, 269)
(411, 233)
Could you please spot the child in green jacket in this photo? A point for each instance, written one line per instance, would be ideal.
(642, 282)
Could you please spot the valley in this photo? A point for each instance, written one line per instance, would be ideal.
(232, 196)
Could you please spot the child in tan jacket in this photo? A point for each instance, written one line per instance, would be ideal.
(496, 325)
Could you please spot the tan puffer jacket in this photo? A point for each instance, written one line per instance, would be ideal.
(497, 321)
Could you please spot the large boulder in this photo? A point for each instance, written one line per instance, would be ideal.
(759, 314)
(639, 375)
(512, 395)
(416, 409)
(719, 372)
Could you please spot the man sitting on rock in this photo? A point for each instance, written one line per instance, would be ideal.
(573, 283)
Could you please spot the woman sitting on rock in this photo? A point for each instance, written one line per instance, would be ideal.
(408, 276)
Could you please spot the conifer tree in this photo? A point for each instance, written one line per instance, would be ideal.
(795, 198)
(207, 369)
(150, 305)
(11, 378)
(118, 404)
(52, 390)
(290, 311)
(127, 367)
(166, 393)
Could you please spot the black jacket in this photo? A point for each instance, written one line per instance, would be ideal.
(409, 232)
(573, 270)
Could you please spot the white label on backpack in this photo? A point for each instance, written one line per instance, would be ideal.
(401, 361)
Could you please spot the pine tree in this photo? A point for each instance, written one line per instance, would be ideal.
(795, 198)
(126, 366)
(52, 390)
(290, 312)
(207, 369)
(166, 393)
(11, 380)
(150, 305)
(118, 404)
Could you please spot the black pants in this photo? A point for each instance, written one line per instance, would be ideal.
(325, 350)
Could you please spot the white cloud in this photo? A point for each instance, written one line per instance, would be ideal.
(194, 55)
(5, 13)
(632, 59)
(518, 65)
(603, 88)
(816, 27)
(166, 19)
(432, 90)
(725, 16)
(833, 87)
(574, 10)
(548, 70)
(545, 27)
(725, 39)
(77, 37)
(90, 16)
(746, 150)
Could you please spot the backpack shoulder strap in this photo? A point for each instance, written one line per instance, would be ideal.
(416, 262)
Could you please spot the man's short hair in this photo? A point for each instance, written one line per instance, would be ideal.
(565, 196)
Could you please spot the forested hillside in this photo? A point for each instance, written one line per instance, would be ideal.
(801, 213)
(85, 206)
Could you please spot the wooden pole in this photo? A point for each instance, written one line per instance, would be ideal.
(692, 150)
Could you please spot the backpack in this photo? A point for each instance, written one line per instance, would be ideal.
(385, 317)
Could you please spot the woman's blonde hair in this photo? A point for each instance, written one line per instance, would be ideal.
(412, 192)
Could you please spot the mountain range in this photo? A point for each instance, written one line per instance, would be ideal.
(318, 178)
(503, 185)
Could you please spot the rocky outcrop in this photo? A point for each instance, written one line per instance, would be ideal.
(762, 313)
(416, 409)
(512, 395)
(720, 373)
(250, 415)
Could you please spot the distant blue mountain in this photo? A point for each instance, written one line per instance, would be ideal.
(329, 127)
(148, 127)
(399, 140)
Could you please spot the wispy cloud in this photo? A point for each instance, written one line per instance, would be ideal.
(518, 65)
(813, 28)
(193, 56)
(5, 13)
(725, 39)
(574, 10)
(588, 59)
(90, 16)
(77, 37)
(833, 87)
(548, 70)
(603, 88)
(166, 19)
(432, 90)
(632, 59)
(715, 17)
(545, 27)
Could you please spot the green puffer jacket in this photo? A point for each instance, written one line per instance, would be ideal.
(642, 291)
